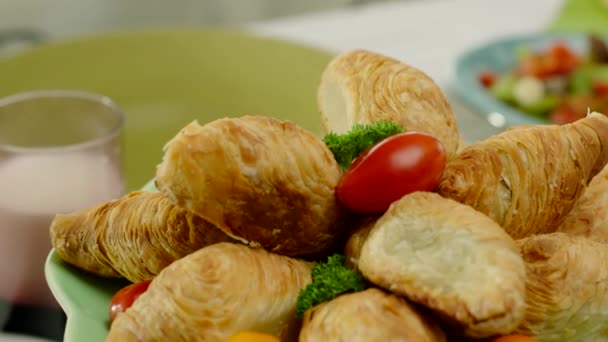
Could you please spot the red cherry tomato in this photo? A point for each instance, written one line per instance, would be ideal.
(600, 88)
(558, 60)
(564, 115)
(124, 298)
(487, 78)
(566, 59)
(392, 168)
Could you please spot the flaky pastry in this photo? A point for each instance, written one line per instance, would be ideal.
(364, 87)
(213, 294)
(356, 240)
(567, 288)
(528, 179)
(589, 216)
(133, 237)
(266, 182)
(368, 316)
(450, 258)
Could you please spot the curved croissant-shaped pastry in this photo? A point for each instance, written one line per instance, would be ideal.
(567, 288)
(589, 216)
(213, 294)
(356, 240)
(364, 87)
(447, 256)
(133, 237)
(528, 179)
(265, 182)
(368, 316)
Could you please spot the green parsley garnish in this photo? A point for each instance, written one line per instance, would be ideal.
(346, 147)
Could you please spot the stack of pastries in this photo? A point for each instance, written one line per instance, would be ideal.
(513, 240)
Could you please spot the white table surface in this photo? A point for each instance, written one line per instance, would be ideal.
(428, 34)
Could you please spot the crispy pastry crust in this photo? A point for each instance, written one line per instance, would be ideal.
(528, 179)
(368, 316)
(265, 182)
(450, 258)
(213, 294)
(364, 87)
(356, 240)
(589, 217)
(567, 288)
(133, 237)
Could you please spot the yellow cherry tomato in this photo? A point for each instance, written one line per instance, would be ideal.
(252, 336)
(514, 338)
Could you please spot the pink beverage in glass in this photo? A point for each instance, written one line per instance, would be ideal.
(60, 151)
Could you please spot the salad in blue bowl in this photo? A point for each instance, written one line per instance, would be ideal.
(537, 79)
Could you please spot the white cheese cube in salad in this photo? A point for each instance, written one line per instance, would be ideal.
(528, 90)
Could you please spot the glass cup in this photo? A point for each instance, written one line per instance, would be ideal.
(60, 151)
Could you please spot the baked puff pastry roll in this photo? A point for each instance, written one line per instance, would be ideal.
(368, 316)
(567, 288)
(133, 237)
(528, 179)
(589, 217)
(356, 240)
(265, 182)
(213, 294)
(452, 259)
(364, 87)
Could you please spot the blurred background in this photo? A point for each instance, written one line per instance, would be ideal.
(163, 81)
(65, 18)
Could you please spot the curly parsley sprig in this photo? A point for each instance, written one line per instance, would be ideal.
(346, 147)
(329, 279)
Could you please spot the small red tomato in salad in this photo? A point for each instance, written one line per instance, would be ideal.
(564, 115)
(124, 298)
(398, 165)
(487, 78)
(558, 60)
(566, 60)
(600, 88)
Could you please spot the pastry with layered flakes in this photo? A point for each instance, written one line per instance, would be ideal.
(213, 294)
(362, 87)
(265, 182)
(134, 237)
(368, 316)
(450, 258)
(528, 179)
(589, 216)
(566, 288)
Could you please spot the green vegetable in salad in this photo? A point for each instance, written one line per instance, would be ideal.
(503, 88)
(346, 147)
(581, 80)
(541, 107)
(329, 279)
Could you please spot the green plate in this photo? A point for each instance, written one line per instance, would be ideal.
(85, 298)
(165, 79)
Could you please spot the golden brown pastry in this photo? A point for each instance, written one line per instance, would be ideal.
(528, 179)
(364, 87)
(263, 181)
(589, 217)
(133, 237)
(567, 288)
(213, 294)
(356, 239)
(368, 316)
(450, 258)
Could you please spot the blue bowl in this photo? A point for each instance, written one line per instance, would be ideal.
(501, 56)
